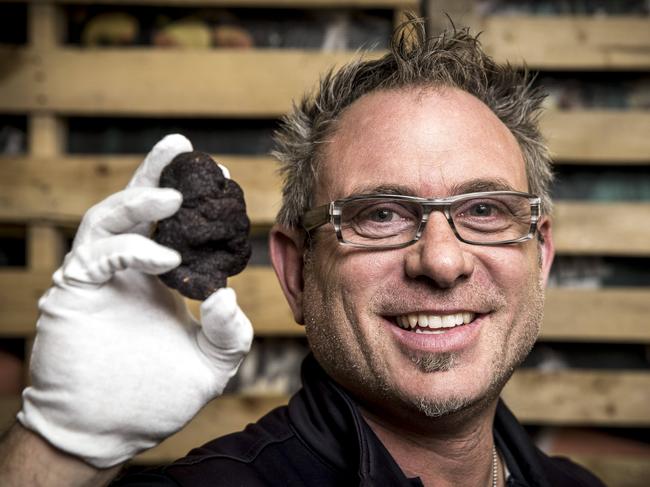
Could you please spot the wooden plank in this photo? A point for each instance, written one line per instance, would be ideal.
(414, 4)
(462, 13)
(602, 315)
(599, 315)
(19, 294)
(161, 82)
(46, 140)
(569, 397)
(294, 4)
(602, 228)
(259, 295)
(598, 136)
(227, 414)
(62, 189)
(616, 470)
(578, 42)
(46, 135)
(45, 25)
(44, 247)
(580, 397)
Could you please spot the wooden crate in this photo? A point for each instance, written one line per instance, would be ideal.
(569, 43)
(48, 190)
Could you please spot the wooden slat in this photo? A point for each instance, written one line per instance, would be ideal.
(602, 228)
(598, 136)
(19, 294)
(226, 414)
(569, 397)
(258, 3)
(45, 25)
(260, 296)
(605, 315)
(576, 42)
(580, 397)
(599, 315)
(258, 292)
(229, 414)
(46, 135)
(616, 470)
(161, 82)
(296, 4)
(62, 189)
(44, 247)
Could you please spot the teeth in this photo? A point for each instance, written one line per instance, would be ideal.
(423, 320)
(412, 320)
(433, 322)
(448, 321)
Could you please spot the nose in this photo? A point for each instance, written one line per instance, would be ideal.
(439, 255)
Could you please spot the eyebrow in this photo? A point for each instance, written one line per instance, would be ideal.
(477, 185)
(480, 184)
(392, 189)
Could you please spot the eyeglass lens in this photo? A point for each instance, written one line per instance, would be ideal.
(388, 221)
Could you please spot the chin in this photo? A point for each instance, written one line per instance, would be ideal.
(445, 392)
(446, 403)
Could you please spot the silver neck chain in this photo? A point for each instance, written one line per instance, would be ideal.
(495, 467)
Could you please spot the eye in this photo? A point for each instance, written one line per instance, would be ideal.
(381, 215)
(482, 210)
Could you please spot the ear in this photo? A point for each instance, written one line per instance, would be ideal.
(546, 246)
(286, 249)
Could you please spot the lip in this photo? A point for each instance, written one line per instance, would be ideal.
(452, 340)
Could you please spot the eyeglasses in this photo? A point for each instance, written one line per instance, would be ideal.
(393, 221)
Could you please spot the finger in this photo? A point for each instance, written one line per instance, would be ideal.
(227, 330)
(224, 170)
(148, 173)
(125, 211)
(97, 261)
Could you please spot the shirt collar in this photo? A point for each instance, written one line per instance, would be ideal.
(327, 419)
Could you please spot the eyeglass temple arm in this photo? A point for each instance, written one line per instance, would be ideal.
(316, 217)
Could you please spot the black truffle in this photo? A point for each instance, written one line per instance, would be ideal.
(210, 230)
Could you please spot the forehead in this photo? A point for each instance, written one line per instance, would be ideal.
(427, 141)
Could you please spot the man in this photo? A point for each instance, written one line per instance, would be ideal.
(414, 243)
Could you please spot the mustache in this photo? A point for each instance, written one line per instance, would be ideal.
(398, 297)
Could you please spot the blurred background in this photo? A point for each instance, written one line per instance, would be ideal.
(87, 87)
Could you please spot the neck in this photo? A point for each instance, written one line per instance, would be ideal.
(449, 451)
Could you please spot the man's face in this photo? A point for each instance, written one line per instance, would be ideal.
(427, 143)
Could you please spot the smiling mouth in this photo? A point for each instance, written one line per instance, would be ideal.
(433, 324)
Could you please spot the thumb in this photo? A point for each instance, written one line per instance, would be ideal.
(226, 334)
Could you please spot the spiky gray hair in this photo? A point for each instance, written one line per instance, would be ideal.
(453, 59)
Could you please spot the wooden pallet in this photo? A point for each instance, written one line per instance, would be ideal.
(46, 191)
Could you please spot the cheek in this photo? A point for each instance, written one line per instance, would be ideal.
(512, 268)
(348, 270)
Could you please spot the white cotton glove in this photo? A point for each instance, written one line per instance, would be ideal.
(118, 363)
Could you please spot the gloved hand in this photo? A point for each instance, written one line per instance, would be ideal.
(118, 362)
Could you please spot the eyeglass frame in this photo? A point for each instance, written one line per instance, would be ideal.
(331, 213)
